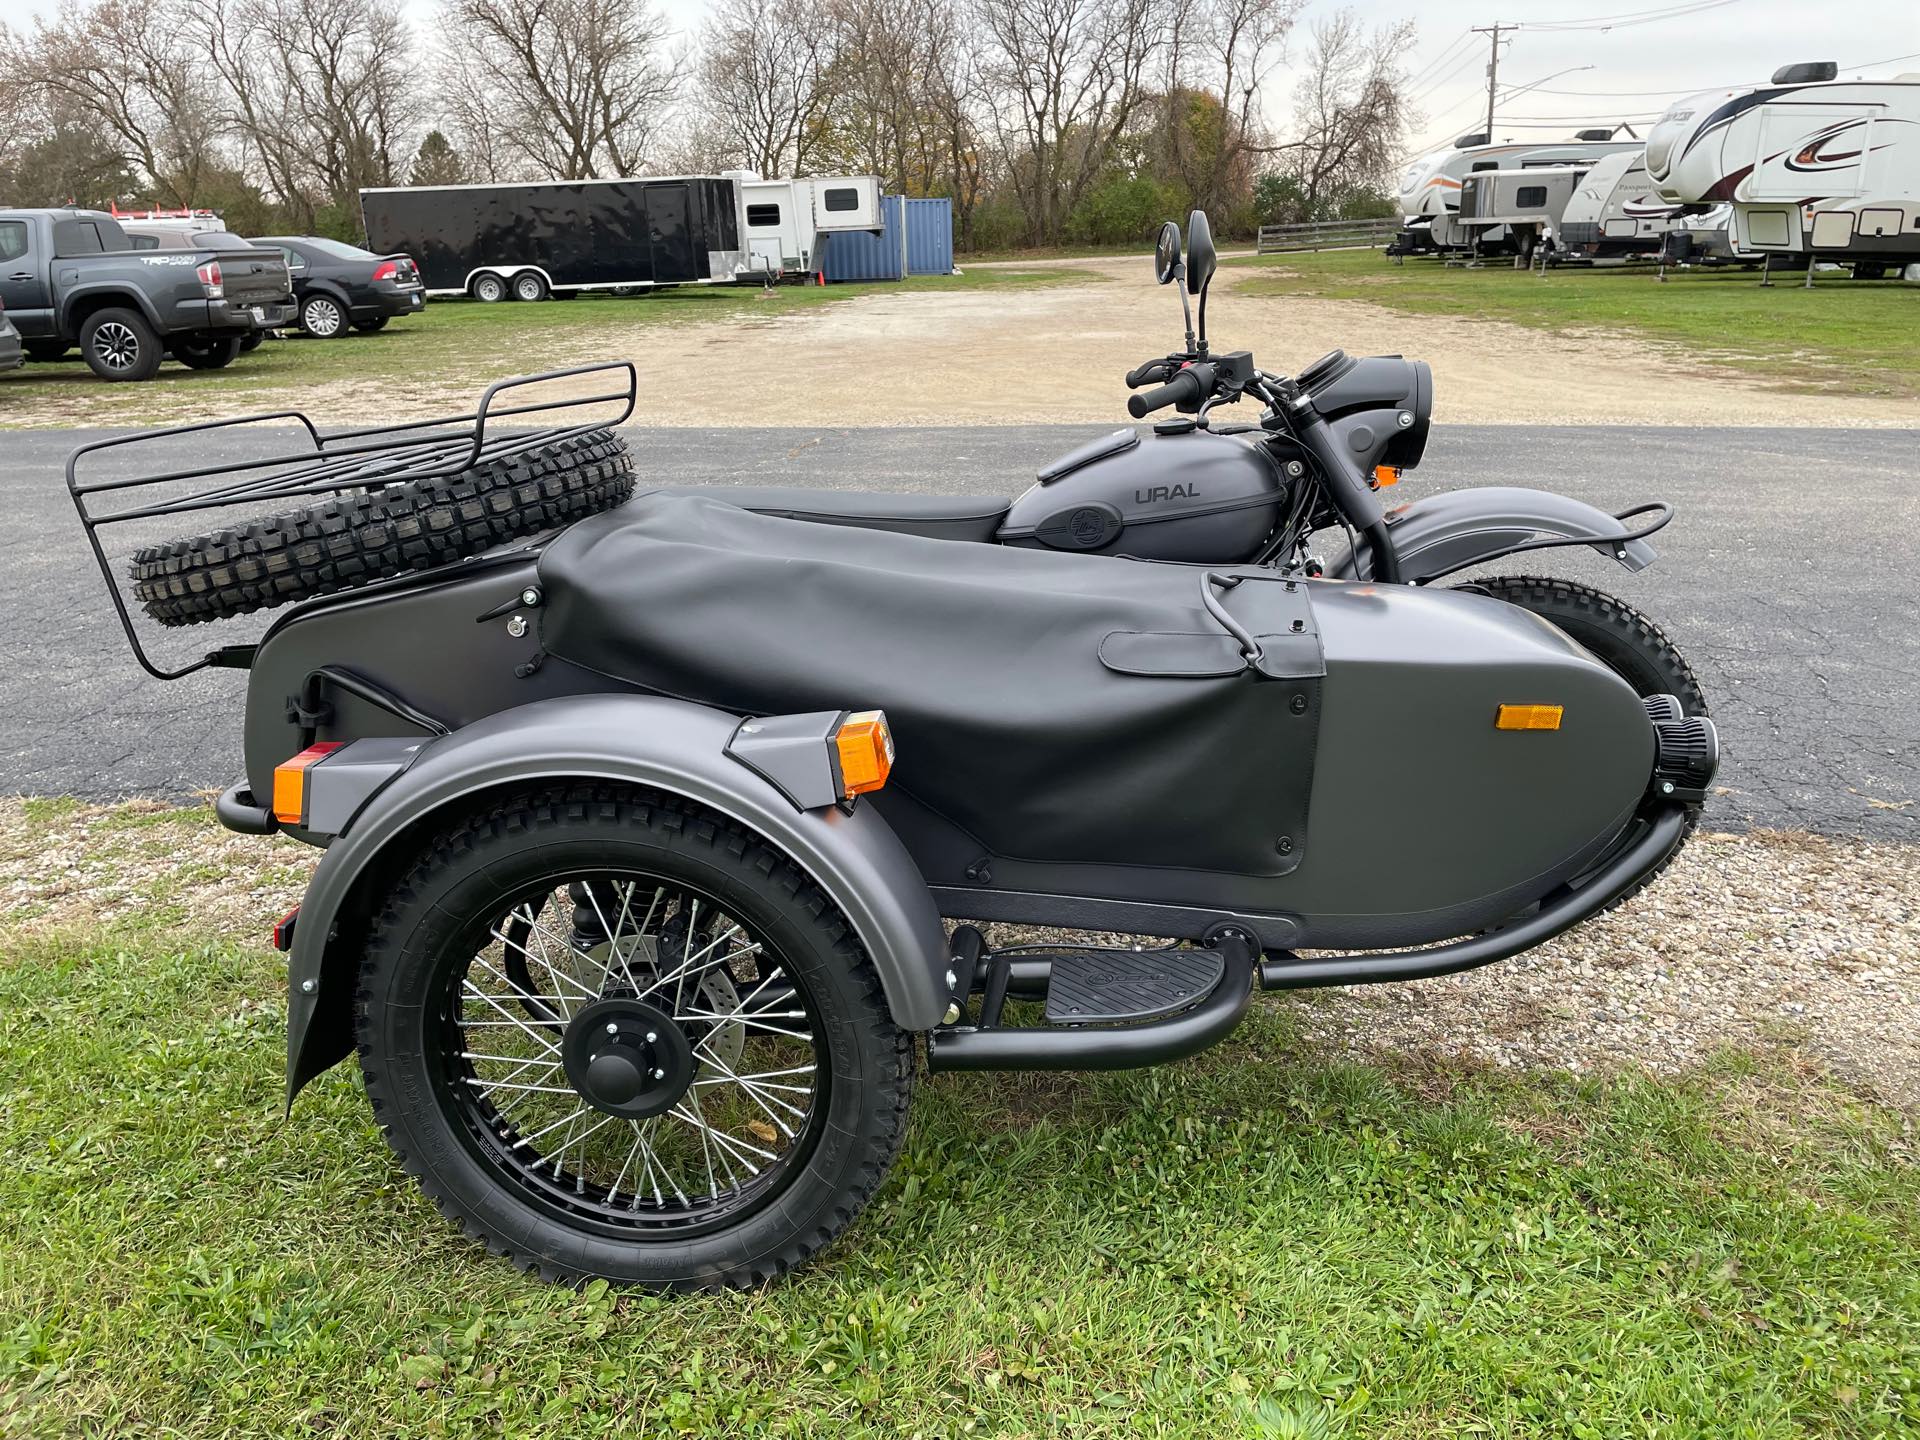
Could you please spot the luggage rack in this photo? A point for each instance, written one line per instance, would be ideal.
(364, 458)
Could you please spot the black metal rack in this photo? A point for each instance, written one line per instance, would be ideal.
(357, 459)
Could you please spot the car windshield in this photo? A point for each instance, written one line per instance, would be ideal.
(338, 250)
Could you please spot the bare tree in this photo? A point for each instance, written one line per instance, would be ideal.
(1350, 107)
(1068, 76)
(762, 70)
(577, 87)
(1220, 56)
(132, 70)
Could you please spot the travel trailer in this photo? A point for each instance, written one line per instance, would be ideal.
(528, 242)
(787, 221)
(1430, 186)
(1815, 167)
(1615, 213)
(1524, 206)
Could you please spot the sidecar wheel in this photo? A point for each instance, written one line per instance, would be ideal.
(614, 1035)
(1622, 639)
(360, 536)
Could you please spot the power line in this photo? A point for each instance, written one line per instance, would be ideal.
(1629, 19)
(1434, 63)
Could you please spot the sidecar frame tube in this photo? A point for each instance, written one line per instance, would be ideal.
(1286, 971)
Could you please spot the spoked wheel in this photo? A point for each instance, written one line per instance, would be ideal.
(614, 1036)
(1622, 639)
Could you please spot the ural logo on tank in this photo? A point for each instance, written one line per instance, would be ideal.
(1164, 492)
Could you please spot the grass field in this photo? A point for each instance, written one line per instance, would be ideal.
(1268, 1241)
(453, 340)
(1843, 336)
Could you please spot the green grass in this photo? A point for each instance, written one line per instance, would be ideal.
(1843, 336)
(452, 341)
(1265, 1241)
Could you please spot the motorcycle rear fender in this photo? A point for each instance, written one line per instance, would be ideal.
(1438, 534)
(660, 744)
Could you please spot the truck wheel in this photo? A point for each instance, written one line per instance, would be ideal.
(323, 317)
(120, 345)
(252, 341)
(489, 289)
(201, 353)
(612, 1034)
(528, 286)
(1619, 637)
(357, 537)
(45, 351)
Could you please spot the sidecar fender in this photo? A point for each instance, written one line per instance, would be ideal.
(1439, 534)
(668, 745)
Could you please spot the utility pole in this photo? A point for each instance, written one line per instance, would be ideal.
(1493, 64)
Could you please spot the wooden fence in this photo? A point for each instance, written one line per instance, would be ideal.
(1327, 235)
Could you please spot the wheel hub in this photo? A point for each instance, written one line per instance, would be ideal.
(627, 1057)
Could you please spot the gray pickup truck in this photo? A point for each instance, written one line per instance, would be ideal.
(72, 277)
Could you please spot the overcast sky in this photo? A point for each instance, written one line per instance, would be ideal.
(1638, 64)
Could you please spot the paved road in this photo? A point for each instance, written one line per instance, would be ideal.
(1791, 580)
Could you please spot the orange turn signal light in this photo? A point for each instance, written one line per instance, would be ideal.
(1528, 717)
(865, 748)
(290, 782)
(1385, 475)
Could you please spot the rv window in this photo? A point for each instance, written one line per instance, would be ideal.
(1531, 197)
(844, 199)
(1486, 165)
(763, 214)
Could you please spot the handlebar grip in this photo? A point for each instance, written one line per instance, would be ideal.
(1140, 374)
(1183, 387)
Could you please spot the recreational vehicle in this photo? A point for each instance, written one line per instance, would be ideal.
(1615, 212)
(1430, 186)
(787, 221)
(527, 242)
(1813, 166)
(1523, 205)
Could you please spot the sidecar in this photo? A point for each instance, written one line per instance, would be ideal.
(651, 844)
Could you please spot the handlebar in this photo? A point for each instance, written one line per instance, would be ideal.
(1141, 374)
(1188, 387)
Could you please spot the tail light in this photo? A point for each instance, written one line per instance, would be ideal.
(386, 270)
(209, 274)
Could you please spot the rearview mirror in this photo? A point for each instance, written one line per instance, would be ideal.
(1199, 252)
(1166, 254)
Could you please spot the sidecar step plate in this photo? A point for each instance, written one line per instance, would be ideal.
(1090, 986)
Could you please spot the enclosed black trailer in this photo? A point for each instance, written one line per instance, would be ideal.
(528, 241)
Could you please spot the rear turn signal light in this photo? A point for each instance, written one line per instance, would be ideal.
(864, 746)
(211, 280)
(1527, 717)
(290, 782)
(386, 270)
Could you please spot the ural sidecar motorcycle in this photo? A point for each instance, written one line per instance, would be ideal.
(634, 914)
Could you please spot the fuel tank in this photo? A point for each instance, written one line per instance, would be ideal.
(1173, 493)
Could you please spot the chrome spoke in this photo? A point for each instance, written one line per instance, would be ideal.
(532, 1033)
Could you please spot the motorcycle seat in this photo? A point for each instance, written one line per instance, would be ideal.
(937, 517)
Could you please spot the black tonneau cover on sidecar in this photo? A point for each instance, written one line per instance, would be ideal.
(1056, 707)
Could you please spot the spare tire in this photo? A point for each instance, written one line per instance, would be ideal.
(360, 536)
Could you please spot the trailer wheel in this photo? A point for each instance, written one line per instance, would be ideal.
(1619, 637)
(489, 289)
(357, 537)
(612, 1034)
(528, 285)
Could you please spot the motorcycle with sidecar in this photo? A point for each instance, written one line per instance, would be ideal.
(660, 826)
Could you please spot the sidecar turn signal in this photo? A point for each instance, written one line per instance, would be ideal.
(1527, 717)
(864, 747)
(290, 782)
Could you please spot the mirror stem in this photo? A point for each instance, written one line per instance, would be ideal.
(1202, 348)
(1186, 309)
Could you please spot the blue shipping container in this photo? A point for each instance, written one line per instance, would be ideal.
(860, 256)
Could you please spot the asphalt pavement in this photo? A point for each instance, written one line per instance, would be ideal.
(1789, 579)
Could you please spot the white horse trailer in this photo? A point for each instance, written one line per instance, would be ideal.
(1430, 186)
(1814, 167)
(788, 220)
(1615, 213)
